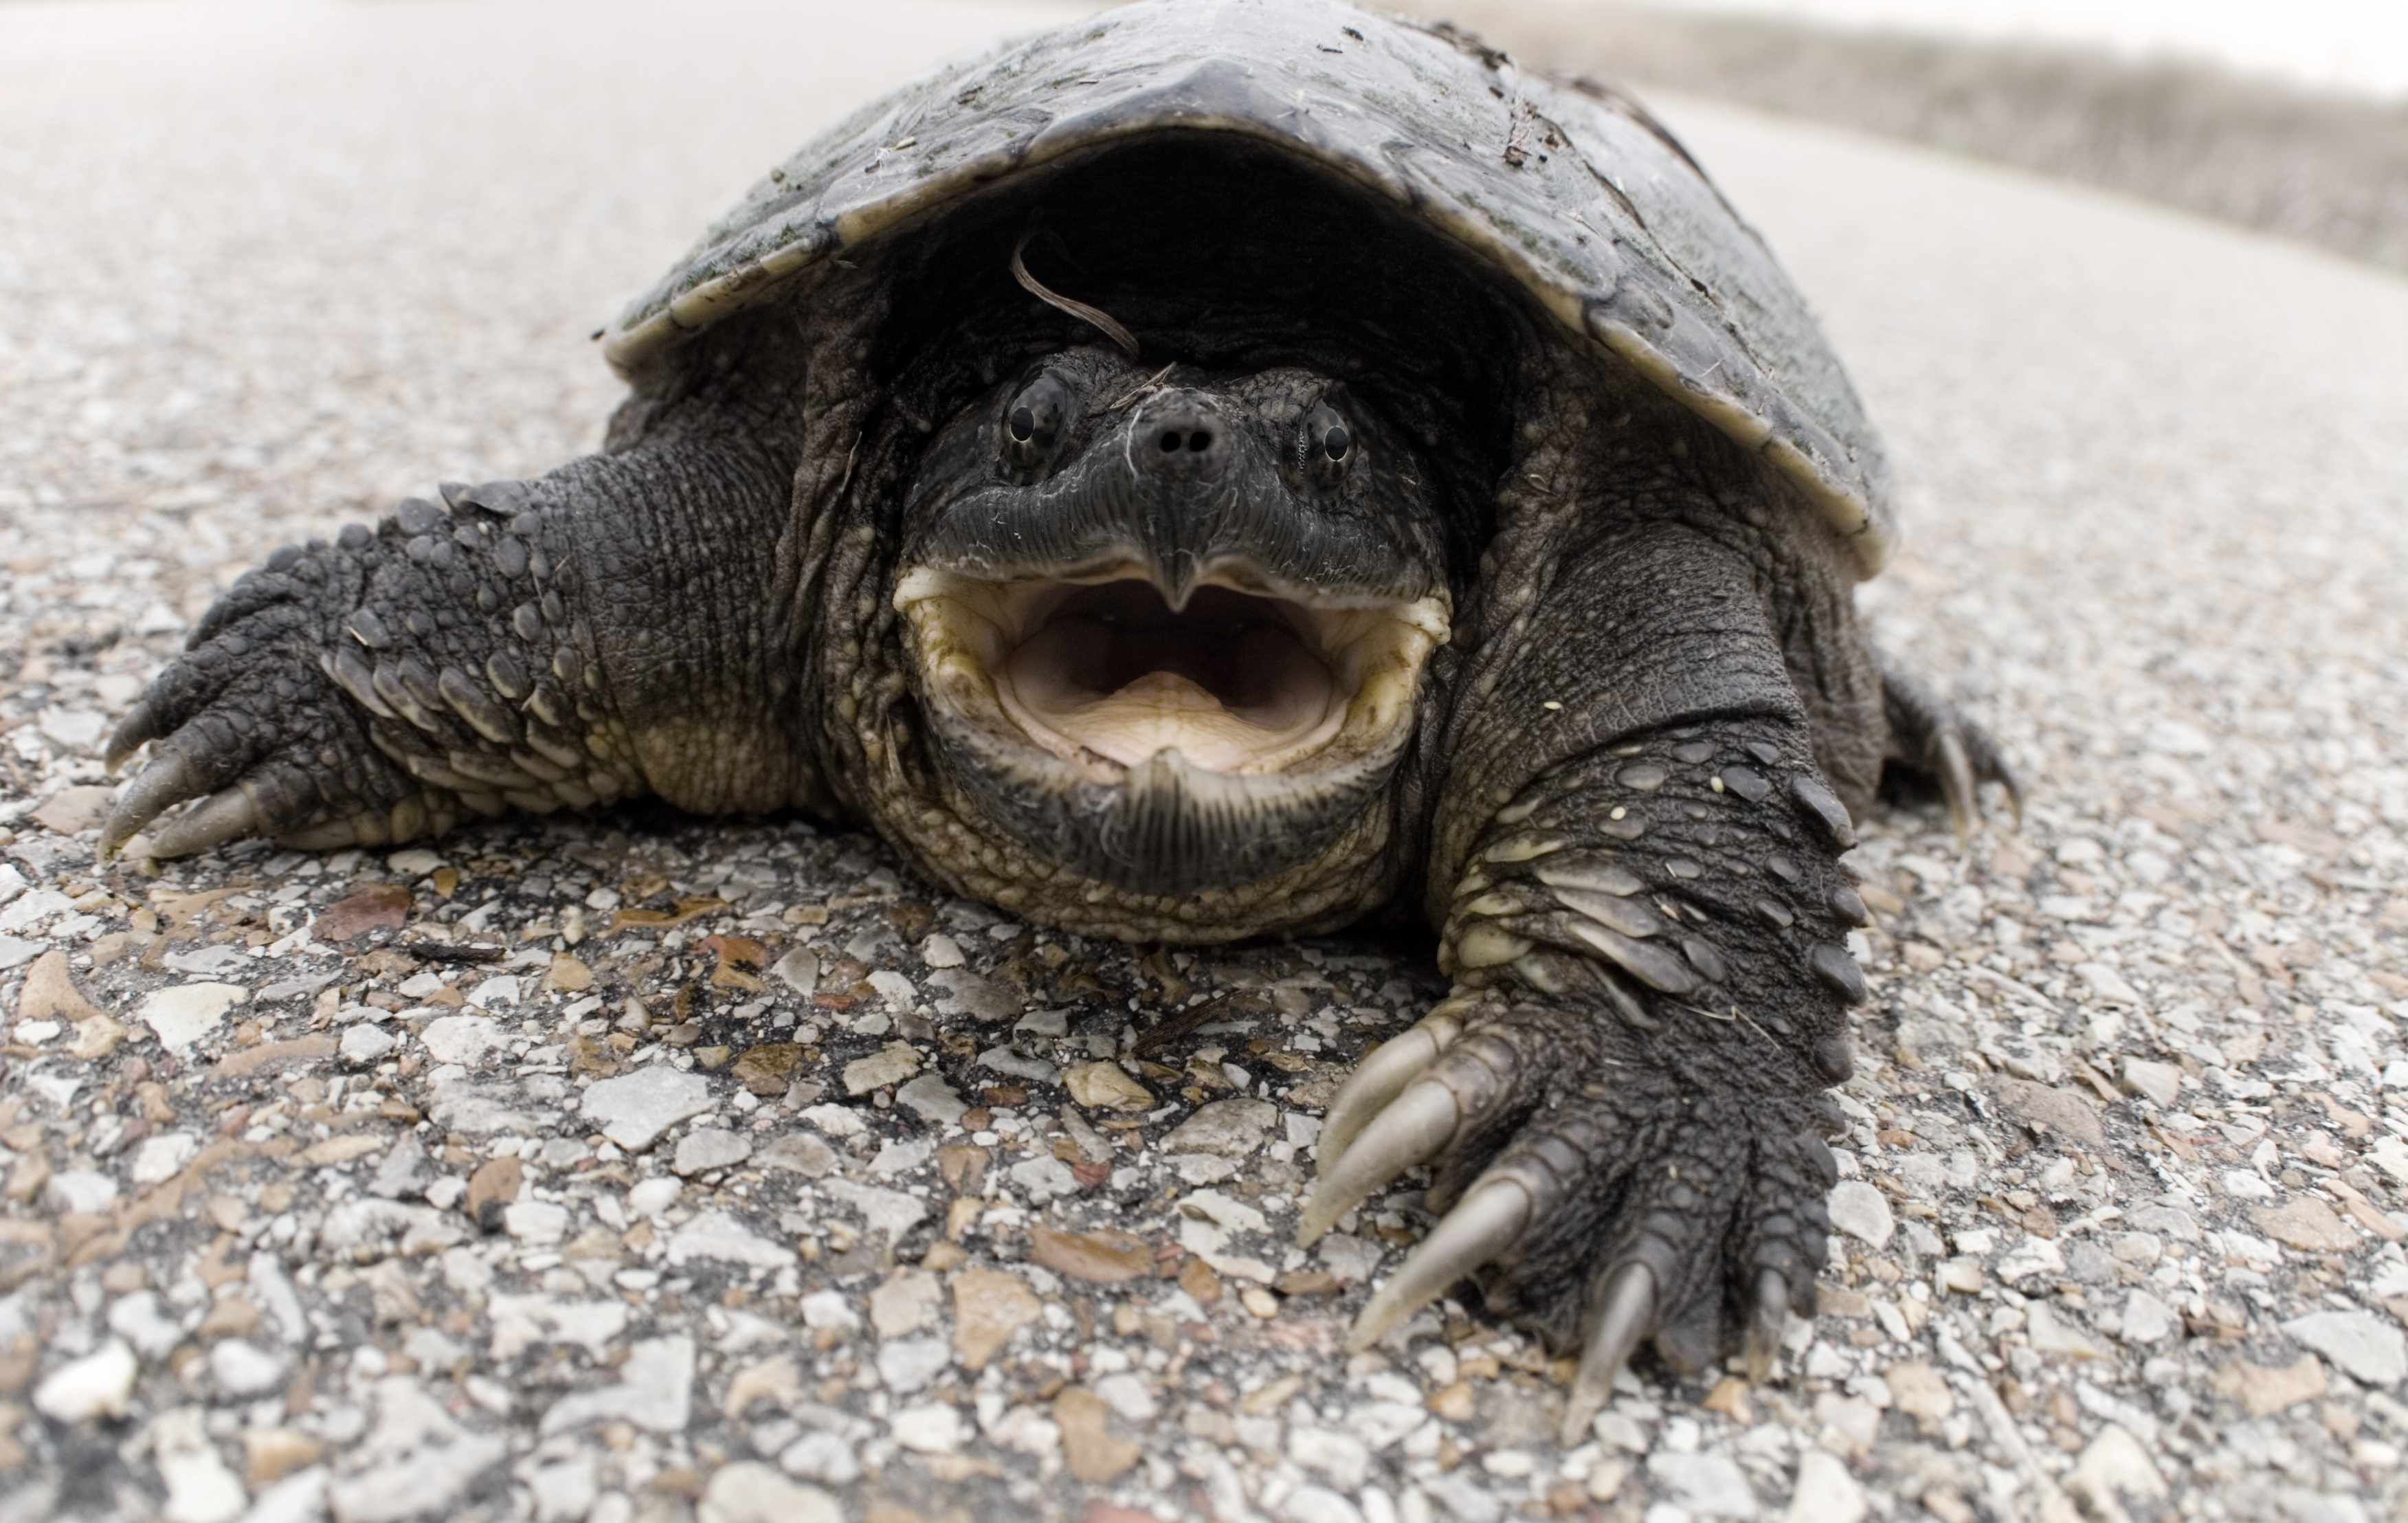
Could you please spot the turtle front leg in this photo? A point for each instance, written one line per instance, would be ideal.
(1623, 1095)
(380, 687)
(630, 624)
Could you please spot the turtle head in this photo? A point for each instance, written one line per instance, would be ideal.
(1168, 626)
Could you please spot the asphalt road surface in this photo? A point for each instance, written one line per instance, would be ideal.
(297, 1223)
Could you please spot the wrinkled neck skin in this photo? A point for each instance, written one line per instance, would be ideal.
(1144, 653)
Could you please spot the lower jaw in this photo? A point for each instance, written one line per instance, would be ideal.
(1167, 829)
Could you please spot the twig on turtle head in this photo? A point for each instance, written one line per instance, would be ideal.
(1103, 322)
(1148, 383)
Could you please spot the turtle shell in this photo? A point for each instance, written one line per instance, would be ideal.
(1569, 190)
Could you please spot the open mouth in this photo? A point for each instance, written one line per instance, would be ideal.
(1242, 680)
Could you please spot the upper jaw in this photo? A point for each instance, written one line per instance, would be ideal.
(1101, 669)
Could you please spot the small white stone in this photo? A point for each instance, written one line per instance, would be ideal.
(1233, 1128)
(1859, 1209)
(2244, 1184)
(161, 1158)
(365, 1046)
(80, 1190)
(941, 950)
(933, 1428)
(897, 1157)
(908, 1364)
(2116, 1466)
(2107, 983)
(800, 1153)
(891, 1064)
(2147, 1319)
(749, 1492)
(798, 971)
(906, 1302)
(890, 1213)
(655, 1195)
(716, 1235)
(200, 1488)
(655, 1391)
(2369, 1349)
(1130, 1395)
(536, 1223)
(183, 1014)
(1352, 1259)
(1344, 1459)
(2052, 1334)
(835, 1120)
(829, 1309)
(1044, 1022)
(140, 1320)
(821, 1457)
(1826, 1492)
(1310, 1503)
(244, 1369)
(634, 1110)
(1044, 1178)
(706, 1148)
(97, 1385)
(299, 1498)
(564, 1492)
(2159, 1082)
(2032, 1256)
(933, 1098)
(493, 993)
(78, 730)
(465, 1040)
(1707, 1485)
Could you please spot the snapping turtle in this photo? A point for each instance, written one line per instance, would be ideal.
(1222, 469)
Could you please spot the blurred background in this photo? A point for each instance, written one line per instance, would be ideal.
(2286, 115)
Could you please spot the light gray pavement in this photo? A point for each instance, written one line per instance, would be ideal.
(2122, 1199)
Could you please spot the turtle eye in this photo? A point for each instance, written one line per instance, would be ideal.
(1328, 444)
(1032, 425)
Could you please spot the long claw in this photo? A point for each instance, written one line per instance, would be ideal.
(1411, 1130)
(140, 727)
(1764, 1329)
(1957, 785)
(1474, 1232)
(1381, 1078)
(1628, 1305)
(220, 817)
(166, 782)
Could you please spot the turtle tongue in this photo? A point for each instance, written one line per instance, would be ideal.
(1164, 711)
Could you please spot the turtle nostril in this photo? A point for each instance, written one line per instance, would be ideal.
(1171, 441)
(1199, 441)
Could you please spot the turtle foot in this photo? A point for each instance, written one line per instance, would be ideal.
(1932, 737)
(249, 723)
(373, 690)
(1592, 1199)
(1623, 1104)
